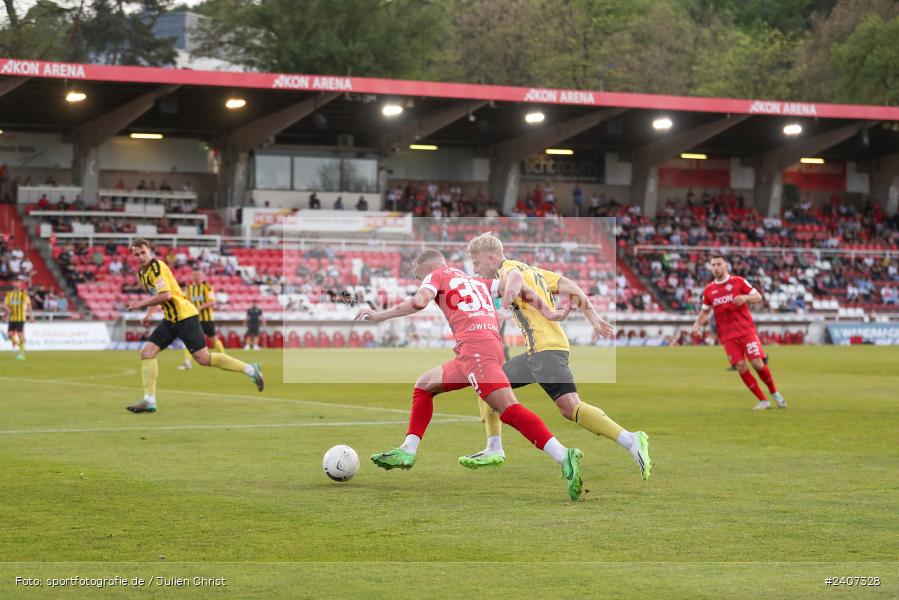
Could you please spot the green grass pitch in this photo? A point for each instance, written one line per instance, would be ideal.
(225, 482)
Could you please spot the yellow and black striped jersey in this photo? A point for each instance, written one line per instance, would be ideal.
(17, 304)
(155, 278)
(199, 294)
(539, 332)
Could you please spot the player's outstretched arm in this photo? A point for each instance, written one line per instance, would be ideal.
(753, 297)
(534, 299)
(512, 286)
(159, 298)
(578, 297)
(701, 320)
(411, 306)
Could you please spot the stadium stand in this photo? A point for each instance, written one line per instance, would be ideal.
(828, 259)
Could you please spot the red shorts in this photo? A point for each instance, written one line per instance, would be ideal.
(481, 368)
(747, 345)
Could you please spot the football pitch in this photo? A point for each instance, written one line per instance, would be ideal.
(225, 483)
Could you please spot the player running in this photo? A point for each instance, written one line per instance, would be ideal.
(202, 295)
(729, 297)
(545, 360)
(17, 307)
(467, 305)
(180, 319)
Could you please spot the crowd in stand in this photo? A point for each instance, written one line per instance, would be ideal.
(793, 279)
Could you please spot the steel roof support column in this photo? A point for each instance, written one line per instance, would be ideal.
(505, 157)
(234, 147)
(90, 136)
(770, 166)
(645, 180)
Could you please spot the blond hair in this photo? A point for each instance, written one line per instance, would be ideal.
(486, 242)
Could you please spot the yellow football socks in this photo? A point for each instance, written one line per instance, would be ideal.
(228, 363)
(187, 355)
(218, 346)
(149, 371)
(490, 419)
(594, 419)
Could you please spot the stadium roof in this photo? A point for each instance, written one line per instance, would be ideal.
(196, 109)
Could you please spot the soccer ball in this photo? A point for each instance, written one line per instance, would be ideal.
(341, 463)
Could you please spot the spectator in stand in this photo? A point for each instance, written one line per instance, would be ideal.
(27, 269)
(338, 204)
(79, 203)
(120, 185)
(362, 204)
(314, 202)
(97, 258)
(116, 266)
(43, 203)
(152, 185)
(164, 186)
(577, 197)
(142, 185)
(50, 181)
(888, 295)
(188, 186)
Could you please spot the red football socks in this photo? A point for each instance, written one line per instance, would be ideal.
(527, 423)
(766, 376)
(752, 384)
(422, 411)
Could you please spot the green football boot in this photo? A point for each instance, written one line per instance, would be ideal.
(394, 459)
(482, 459)
(257, 376)
(571, 470)
(642, 455)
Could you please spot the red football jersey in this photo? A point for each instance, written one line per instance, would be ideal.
(466, 302)
(731, 320)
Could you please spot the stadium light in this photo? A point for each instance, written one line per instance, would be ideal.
(75, 96)
(391, 110)
(662, 124)
(146, 136)
(534, 117)
(693, 156)
(562, 151)
(1, 132)
(792, 129)
(232, 103)
(812, 161)
(422, 147)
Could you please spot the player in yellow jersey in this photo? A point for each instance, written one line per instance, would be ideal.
(202, 295)
(180, 319)
(545, 360)
(17, 307)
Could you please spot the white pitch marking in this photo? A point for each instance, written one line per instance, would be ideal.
(221, 426)
(245, 397)
(126, 372)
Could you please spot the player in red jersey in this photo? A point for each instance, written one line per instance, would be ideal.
(467, 304)
(730, 296)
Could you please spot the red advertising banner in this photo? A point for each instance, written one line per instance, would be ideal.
(365, 85)
(689, 173)
(830, 177)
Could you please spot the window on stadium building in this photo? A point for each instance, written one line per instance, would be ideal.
(272, 172)
(315, 173)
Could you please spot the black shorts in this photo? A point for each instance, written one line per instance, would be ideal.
(16, 326)
(208, 328)
(548, 368)
(188, 330)
(253, 331)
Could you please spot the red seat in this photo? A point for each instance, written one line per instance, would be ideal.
(293, 340)
(309, 340)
